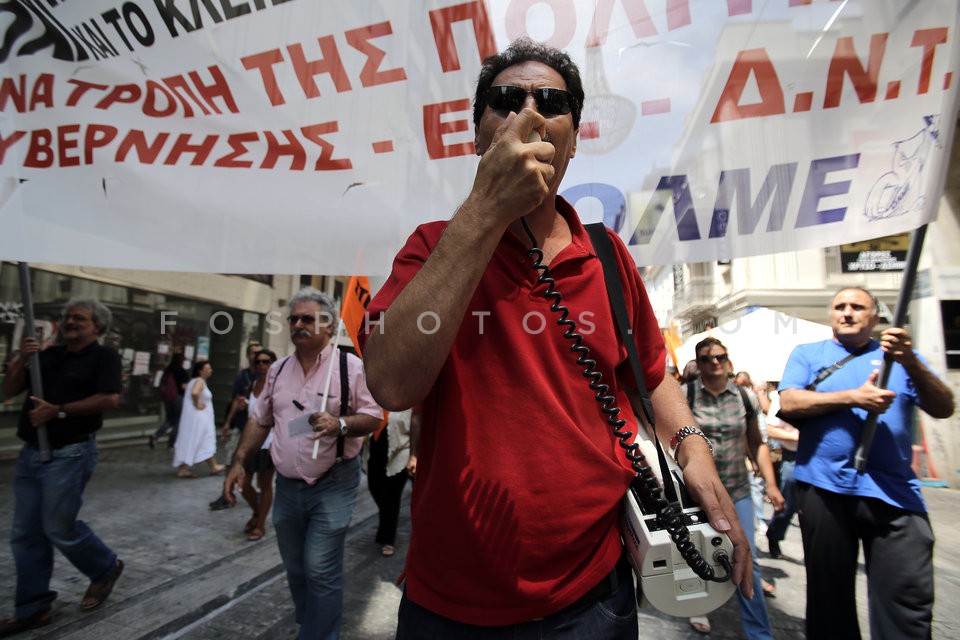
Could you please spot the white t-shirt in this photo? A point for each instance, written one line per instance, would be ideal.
(251, 403)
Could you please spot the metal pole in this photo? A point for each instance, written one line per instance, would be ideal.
(36, 384)
(899, 318)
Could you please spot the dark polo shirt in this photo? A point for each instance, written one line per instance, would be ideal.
(68, 377)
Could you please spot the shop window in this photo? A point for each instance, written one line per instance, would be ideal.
(950, 315)
(147, 328)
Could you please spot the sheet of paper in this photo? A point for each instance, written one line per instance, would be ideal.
(300, 426)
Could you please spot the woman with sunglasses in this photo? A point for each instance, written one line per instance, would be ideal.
(262, 465)
(728, 417)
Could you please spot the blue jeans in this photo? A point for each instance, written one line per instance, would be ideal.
(48, 497)
(788, 487)
(753, 613)
(613, 618)
(311, 525)
(756, 496)
(171, 420)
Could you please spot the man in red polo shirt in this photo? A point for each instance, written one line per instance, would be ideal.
(519, 477)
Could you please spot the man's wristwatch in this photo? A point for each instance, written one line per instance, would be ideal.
(61, 413)
(343, 427)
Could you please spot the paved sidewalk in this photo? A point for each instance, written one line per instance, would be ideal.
(192, 574)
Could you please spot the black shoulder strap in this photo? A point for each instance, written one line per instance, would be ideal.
(272, 380)
(344, 385)
(611, 278)
(748, 408)
(837, 365)
(691, 393)
(344, 398)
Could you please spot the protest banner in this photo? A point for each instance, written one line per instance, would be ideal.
(172, 134)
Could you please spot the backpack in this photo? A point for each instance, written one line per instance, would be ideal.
(167, 390)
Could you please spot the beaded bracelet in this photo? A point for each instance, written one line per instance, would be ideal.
(683, 433)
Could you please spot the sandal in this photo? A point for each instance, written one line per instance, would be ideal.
(768, 589)
(186, 474)
(10, 626)
(387, 550)
(251, 525)
(255, 534)
(700, 624)
(98, 592)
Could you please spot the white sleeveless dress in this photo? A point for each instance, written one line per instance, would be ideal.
(196, 435)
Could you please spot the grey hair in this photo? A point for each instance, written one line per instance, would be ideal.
(873, 298)
(102, 316)
(307, 294)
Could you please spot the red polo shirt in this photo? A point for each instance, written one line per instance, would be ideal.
(519, 478)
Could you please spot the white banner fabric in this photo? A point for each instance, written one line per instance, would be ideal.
(299, 136)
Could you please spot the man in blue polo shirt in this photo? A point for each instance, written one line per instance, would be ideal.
(883, 505)
(81, 380)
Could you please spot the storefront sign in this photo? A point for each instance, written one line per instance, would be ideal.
(882, 254)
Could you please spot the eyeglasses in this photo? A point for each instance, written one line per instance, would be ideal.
(550, 102)
(264, 361)
(720, 357)
(305, 319)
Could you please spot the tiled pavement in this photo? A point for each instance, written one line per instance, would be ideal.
(190, 573)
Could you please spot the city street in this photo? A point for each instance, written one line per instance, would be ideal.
(190, 572)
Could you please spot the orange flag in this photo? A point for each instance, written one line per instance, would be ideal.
(672, 342)
(352, 312)
(355, 302)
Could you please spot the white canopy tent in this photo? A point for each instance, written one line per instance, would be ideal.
(759, 342)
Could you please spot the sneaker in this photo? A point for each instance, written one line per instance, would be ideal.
(219, 504)
(774, 547)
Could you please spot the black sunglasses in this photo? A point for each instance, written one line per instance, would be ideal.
(305, 319)
(720, 357)
(550, 102)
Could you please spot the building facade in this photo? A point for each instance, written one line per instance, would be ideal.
(207, 316)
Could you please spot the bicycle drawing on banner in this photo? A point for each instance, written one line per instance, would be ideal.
(900, 191)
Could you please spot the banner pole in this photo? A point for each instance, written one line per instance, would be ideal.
(326, 387)
(29, 331)
(899, 319)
